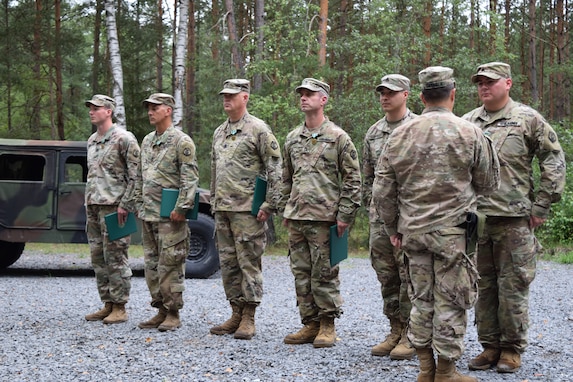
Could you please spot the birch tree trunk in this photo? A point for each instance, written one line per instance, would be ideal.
(115, 62)
(180, 55)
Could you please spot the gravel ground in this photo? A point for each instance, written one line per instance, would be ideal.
(45, 337)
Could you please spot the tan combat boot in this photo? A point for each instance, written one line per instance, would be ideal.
(427, 365)
(100, 314)
(118, 315)
(155, 321)
(246, 329)
(326, 335)
(486, 359)
(304, 336)
(404, 349)
(232, 324)
(385, 347)
(171, 321)
(446, 372)
(509, 361)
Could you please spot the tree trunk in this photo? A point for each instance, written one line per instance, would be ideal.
(8, 63)
(115, 62)
(37, 91)
(159, 55)
(96, 55)
(323, 24)
(259, 24)
(58, 69)
(190, 115)
(237, 59)
(492, 27)
(561, 95)
(533, 53)
(427, 27)
(180, 50)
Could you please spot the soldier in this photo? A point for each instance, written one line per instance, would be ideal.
(321, 187)
(167, 161)
(427, 183)
(507, 252)
(113, 156)
(243, 149)
(387, 262)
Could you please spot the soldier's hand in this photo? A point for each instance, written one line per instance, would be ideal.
(121, 216)
(396, 240)
(176, 217)
(535, 221)
(262, 216)
(341, 227)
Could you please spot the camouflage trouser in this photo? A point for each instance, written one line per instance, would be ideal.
(109, 258)
(442, 285)
(316, 283)
(241, 242)
(388, 263)
(165, 248)
(506, 263)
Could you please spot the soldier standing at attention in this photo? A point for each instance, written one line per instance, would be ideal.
(113, 157)
(428, 179)
(506, 257)
(167, 161)
(243, 149)
(388, 262)
(321, 188)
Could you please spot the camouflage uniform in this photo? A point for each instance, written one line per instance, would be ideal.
(241, 152)
(427, 180)
(167, 161)
(507, 251)
(321, 184)
(386, 261)
(112, 170)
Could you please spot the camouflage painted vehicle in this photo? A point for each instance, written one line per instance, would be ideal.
(42, 187)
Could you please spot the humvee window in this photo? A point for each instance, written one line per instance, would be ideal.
(76, 170)
(22, 167)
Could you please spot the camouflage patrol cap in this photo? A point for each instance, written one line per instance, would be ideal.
(235, 86)
(394, 82)
(493, 70)
(436, 77)
(160, 99)
(314, 85)
(100, 100)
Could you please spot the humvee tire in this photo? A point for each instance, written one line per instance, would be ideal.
(203, 258)
(11, 252)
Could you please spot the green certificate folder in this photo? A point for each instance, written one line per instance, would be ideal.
(169, 198)
(338, 246)
(260, 195)
(115, 231)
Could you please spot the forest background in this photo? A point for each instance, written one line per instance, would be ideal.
(56, 54)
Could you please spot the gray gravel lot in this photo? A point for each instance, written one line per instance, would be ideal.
(45, 337)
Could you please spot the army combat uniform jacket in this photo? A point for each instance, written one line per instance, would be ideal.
(167, 161)
(321, 175)
(431, 171)
(519, 133)
(374, 141)
(241, 152)
(108, 182)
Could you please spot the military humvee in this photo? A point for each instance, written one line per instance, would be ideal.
(42, 187)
